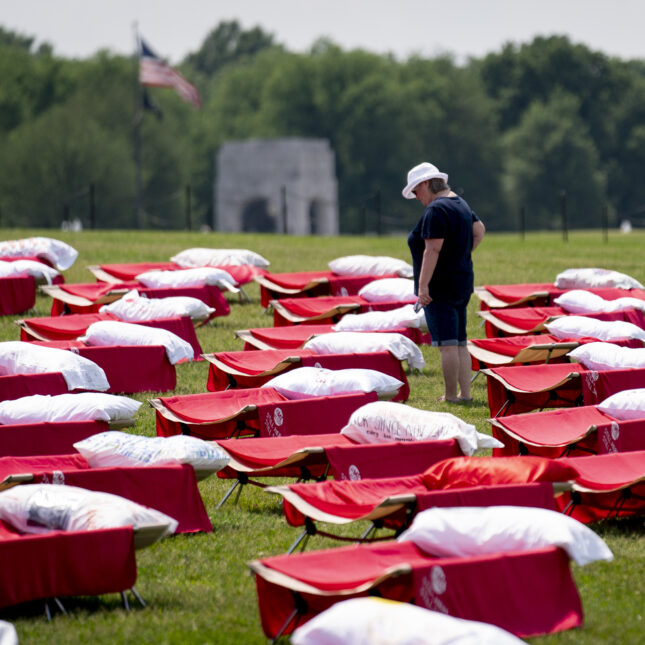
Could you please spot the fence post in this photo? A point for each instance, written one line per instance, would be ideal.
(187, 206)
(563, 210)
(90, 190)
(283, 210)
(605, 223)
(377, 206)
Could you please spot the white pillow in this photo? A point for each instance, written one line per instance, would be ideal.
(305, 382)
(368, 621)
(466, 531)
(370, 265)
(8, 634)
(606, 356)
(60, 254)
(41, 508)
(199, 257)
(579, 301)
(348, 342)
(579, 326)
(18, 357)
(595, 278)
(36, 269)
(113, 332)
(388, 289)
(107, 449)
(628, 404)
(383, 421)
(134, 308)
(382, 320)
(197, 277)
(84, 406)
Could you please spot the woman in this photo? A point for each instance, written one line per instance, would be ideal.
(441, 245)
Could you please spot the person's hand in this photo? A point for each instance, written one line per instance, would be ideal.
(424, 297)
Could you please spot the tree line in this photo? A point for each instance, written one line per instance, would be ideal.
(516, 130)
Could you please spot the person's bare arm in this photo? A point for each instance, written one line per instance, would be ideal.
(478, 233)
(428, 264)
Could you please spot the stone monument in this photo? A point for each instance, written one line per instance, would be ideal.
(276, 186)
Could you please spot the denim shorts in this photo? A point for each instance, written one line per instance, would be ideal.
(447, 322)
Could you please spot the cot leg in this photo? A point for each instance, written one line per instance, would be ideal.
(48, 612)
(303, 536)
(474, 376)
(137, 595)
(244, 296)
(124, 598)
(503, 408)
(59, 604)
(286, 623)
(229, 492)
(370, 529)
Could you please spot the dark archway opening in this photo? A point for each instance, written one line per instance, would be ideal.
(315, 217)
(257, 218)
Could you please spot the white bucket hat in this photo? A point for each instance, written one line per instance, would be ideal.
(422, 172)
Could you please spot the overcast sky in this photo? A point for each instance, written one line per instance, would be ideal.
(78, 28)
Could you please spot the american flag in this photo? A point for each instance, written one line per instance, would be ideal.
(155, 72)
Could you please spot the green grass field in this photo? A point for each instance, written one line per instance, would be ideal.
(197, 587)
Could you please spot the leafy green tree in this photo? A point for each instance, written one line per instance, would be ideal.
(49, 160)
(225, 44)
(551, 150)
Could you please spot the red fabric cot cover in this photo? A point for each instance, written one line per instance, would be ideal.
(529, 319)
(326, 308)
(511, 346)
(463, 472)
(317, 415)
(72, 326)
(256, 364)
(15, 386)
(128, 368)
(520, 293)
(93, 291)
(315, 283)
(17, 294)
(346, 458)
(613, 486)
(361, 461)
(171, 489)
(46, 438)
(549, 603)
(288, 337)
(62, 327)
(253, 364)
(133, 368)
(221, 413)
(295, 336)
(61, 564)
(567, 432)
(129, 271)
(41, 463)
(210, 407)
(529, 387)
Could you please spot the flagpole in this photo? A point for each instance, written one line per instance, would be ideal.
(138, 116)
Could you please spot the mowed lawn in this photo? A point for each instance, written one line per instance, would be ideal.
(197, 587)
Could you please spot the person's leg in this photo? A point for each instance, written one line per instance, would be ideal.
(443, 324)
(450, 366)
(447, 326)
(464, 373)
